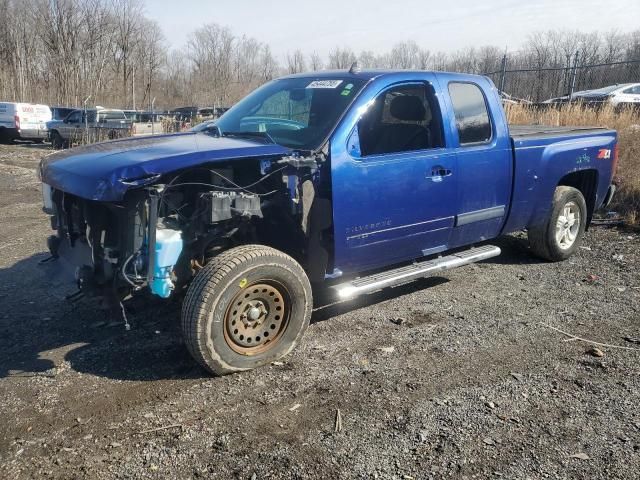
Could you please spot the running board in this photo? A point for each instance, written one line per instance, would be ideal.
(398, 276)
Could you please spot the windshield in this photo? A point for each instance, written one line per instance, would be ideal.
(294, 112)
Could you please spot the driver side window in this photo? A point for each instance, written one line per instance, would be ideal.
(402, 119)
(74, 117)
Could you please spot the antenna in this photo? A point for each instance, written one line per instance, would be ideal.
(355, 68)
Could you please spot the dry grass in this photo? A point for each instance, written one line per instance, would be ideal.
(626, 122)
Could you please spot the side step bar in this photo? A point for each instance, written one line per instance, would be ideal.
(398, 276)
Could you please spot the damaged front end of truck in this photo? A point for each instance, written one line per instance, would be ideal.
(129, 219)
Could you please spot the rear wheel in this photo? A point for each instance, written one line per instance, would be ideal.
(560, 236)
(57, 141)
(246, 308)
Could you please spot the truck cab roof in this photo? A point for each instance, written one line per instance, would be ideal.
(370, 74)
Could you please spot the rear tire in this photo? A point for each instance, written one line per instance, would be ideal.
(248, 307)
(561, 235)
(57, 142)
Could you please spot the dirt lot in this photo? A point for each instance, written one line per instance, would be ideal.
(458, 376)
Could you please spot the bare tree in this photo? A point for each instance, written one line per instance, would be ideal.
(341, 58)
(61, 51)
(315, 62)
(128, 15)
(295, 62)
(405, 55)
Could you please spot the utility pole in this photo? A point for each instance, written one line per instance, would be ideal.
(567, 73)
(574, 73)
(503, 73)
(153, 119)
(133, 86)
(86, 120)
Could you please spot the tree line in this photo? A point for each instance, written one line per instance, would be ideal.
(108, 52)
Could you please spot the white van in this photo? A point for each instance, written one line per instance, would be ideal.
(23, 121)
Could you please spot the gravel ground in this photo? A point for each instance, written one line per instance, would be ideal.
(460, 376)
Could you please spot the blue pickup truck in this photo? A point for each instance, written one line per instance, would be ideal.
(354, 181)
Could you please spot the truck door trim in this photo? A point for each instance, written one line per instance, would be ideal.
(480, 215)
(373, 232)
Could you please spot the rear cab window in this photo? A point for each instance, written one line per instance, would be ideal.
(472, 116)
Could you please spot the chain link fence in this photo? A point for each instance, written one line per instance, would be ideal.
(545, 83)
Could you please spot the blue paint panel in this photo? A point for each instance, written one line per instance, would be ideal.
(540, 164)
(484, 170)
(105, 171)
(391, 197)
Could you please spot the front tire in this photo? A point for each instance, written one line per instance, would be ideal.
(248, 307)
(561, 235)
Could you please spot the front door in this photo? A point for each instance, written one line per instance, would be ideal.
(394, 182)
(72, 126)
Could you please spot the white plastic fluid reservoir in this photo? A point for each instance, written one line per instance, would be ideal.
(168, 248)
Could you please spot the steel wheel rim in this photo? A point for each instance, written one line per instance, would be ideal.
(568, 225)
(257, 317)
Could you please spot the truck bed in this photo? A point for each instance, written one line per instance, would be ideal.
(524, 132)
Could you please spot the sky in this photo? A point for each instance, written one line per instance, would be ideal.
(376, 25)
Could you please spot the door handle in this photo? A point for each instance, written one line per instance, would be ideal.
(438, 173)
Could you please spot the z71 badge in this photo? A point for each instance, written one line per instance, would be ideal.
(604, 154)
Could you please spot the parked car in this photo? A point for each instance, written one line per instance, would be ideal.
(184, 114)
(147, 123)
(60, 113)
(23, 121)
(353, 181)
(616, 95)
(92, 125)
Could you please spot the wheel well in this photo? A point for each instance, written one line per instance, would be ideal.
(587, 182)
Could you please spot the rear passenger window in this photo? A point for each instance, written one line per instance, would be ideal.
(470, 109)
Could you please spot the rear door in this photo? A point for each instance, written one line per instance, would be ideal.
(394, 182)
(28, 115)
(484, 157)
(43, 115)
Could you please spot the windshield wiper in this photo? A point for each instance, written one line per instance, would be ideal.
(263, 135)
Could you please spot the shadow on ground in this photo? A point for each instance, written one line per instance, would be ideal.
(41, 332)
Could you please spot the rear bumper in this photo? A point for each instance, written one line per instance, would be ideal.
(609, 196)
(32, 134)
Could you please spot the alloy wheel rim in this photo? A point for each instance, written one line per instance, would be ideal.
(568, 225)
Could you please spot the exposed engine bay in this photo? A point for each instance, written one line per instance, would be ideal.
(161, 234)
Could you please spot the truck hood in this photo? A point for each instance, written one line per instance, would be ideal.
(105, 171)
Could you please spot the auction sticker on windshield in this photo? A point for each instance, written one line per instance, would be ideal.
(324, 84)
